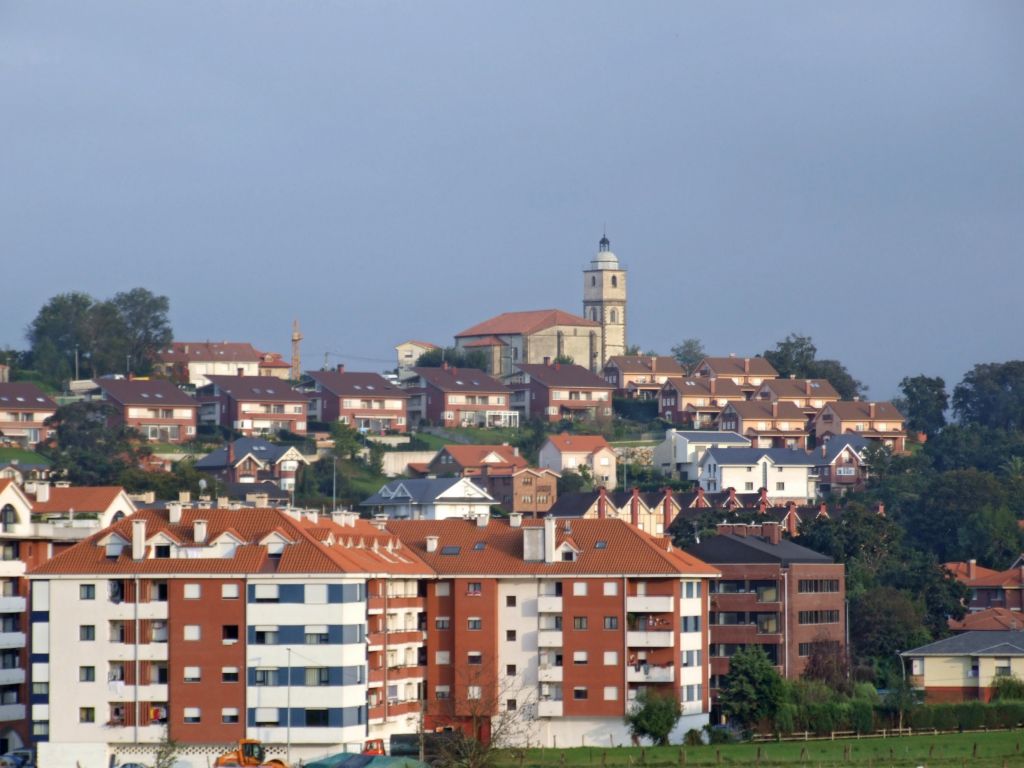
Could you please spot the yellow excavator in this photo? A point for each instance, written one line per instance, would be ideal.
(248, 754)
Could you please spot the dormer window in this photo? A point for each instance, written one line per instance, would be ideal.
(162, 551)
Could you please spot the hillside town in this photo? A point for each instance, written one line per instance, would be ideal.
(522, 536)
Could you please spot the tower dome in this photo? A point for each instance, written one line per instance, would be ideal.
(605, 258)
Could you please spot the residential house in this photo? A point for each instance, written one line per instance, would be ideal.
(773, 593)
(515, 338)
(460, 397)
(155, 408)
(988, 620)
(841, 465)
(409, 353)
(679, 454)
(640, 376)
(652, 512)
(810, 395)
(23, 410)
(5, 373)
(965, 666)
(250, 460)
(213, 625)
(767, 424)
(430, 499)
(748, 372)
(990, 588)
(784, 474)
(253, 405)
(274, 365)
(558, 392)
(563, 622)
(570, 452)
(879, 422)
(190, 362)
(366, 401)
(695, 401)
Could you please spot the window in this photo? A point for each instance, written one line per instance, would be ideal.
(611, 622)
(691, 658)
(510, 705)
(510, 635)
(510, 670)
(265, 593)
(317, 635)
(229, 674)
(451, 551)
(87, 633)
(748, 486)
(87, 674)
(230, 592)
(819, 617)
(193, 591)
(690, 624)
(611, 658)
(86, 591)
(441, 692)
(266, 715)
(579, 589)
(318, 676)
(442, 622)
(40, 689)
(780, 486)
(87, 714)
(162, 551)
(510, 601)
(611, 588)
(473, 692)
(316, 718)
(192, 674)
(579, 693)
(579, 657)
(475, 657)
(192, 632)
(443, 589)
(264, 676)
(473, 588)
(474, 623)
(192, 715)
(579, 622)
(818, 585)
(443, 657)
(229, 715)
(611, 693)
(229, 633)
(265, 636)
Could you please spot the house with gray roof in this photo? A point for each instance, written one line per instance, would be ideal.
(431, 498)
(840, 464)
(254, 460)
(965, 667)
(785, 474)
(679, 454)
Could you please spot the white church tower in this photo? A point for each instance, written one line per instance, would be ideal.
(604, 300)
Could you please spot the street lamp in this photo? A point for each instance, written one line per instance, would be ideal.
(903, 688)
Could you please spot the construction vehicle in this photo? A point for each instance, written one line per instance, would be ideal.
(374, 747)
(248, 754)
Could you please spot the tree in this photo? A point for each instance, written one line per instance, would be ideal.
(575, 480)
(166, 754)
(375, 458)
(925, 402)
(60, 327)
(688, 353)
(455, 357)
(752, 691)
(346, 441)
(147, 328)
(885, 620)
(88, 448)
(828, 664)
(797, 356)
(653, 717)
(992, 395)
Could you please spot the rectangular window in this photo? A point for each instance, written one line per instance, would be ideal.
(818, 585)
(264, 676)
(474, 657)
(316, 718)
(510, 670)
(193, 591)
(474, 623)
(192, 715)
(819, 617)
(611, 693)
(611, 588)
(87, 632)
(265, 593)
(780, 486)
(86, 674)
(317, 635)
(611, 658)
(579, 589)
(442, 657)
(192, 632)
(511, 705)
(443, 589)
(87, 714)
(579, 693)
(473, 692)
(690, 623)
(474, 588)
(611, 622)
(579, 657)
(229, 592)
(442, 622)
(266, 715)
(229, 674)
(510, 601)
(229, 715)
(316, 594)
(265, 636)
(192, 674)
(441, 692)
(579, 622)
(510, 635)
(86, 591)
(317, 676)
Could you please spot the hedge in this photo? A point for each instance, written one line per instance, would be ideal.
(859, 715)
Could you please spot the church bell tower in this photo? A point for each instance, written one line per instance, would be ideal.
(604, 301)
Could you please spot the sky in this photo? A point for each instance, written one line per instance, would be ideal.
(390, 170)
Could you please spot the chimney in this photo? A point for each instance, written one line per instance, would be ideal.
(515, 520)
(775, 409)
(602, 503)
(772, 533)
(184, 497)
(533, 543)
(746, 365)
(733, 501)
(699, 501)
(823, 510)
(481, 520)
(634, 508)
(792, 519)
(666, 511)
(654, 364)
(549, 539)
(174, 512)
(871, 410)
(341, 368)
(42, 492)
(199, 531)
(740, 529)
(138, 539)
(231, 454)
(223, 502)
(724, 529)
(972, 568)
(881, 509)
(432, 543)
(807, 387)
(547, 361)
(824, 448)
(444, 365)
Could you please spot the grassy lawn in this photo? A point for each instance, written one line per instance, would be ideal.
(25, 457)
(481, 436)
(434, 443)
(993, 749)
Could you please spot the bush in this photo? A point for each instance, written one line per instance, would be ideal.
(693, 738)
(785, 718)
(1008, 687)
(944, 717)
(862, 716)
(825, 717)
(719, 734)
(920, 718)
(866, 692)
(970, 715)
(1008, 714)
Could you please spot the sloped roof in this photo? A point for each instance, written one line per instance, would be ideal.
(762, 409)
(210, 351)
(461, 380)
(646, 364)
(1012, 577)
(626, 550)
(854, 410)
(151, 393)
(978, 643)
(569, 443)
(83, 499)
(24, 395)
(423, 344)
(729, 548)
(697, 386)
(710, 436)
(959, 569)
(265, 451)
(991, 619)
(420, 490)
(734, 366)
(731, 457)
(802, 388)
(262, 388)
(485, 341)
(562, 375)
(474, 455)
(524, 323)
(839, 443)
(356, 383)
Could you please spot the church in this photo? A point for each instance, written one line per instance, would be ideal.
(513, 338)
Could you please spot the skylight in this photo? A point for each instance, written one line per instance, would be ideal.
(601, 544)
(479, 546)
(451, 550)
(459, 382)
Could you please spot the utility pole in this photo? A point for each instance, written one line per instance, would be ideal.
(296, 351)
(76, 362)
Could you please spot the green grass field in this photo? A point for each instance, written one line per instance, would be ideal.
(25, 457)
(993, 749)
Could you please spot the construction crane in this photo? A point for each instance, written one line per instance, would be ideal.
(296, 351)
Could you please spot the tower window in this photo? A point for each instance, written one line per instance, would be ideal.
(615, 281)
(615, 315)
(593, 280)
(593, 314)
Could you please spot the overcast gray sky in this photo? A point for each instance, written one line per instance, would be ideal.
(387, 170)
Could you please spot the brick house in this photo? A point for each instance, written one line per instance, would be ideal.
(767, 424)
(23, 409)
(253, 405)
(810, 395)
(773, 593)
(155, 408)
(696, 401)
(990, 588)
(640, 376)
(568, 451)
(461, 397)
(840, 465)
(749, 373)
(365, 401)
(879, 422)
(556, 392)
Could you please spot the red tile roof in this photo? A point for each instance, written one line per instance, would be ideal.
(856, 410)
(626, 550)
(151, 393)
(988, 620)
(524, 323)
(424, 344)
(83, 499)
(259, 388)
(801, 389)
(568, 443)
(762, 409)
(486, 341)
(645, 364)
(696, 386)
(474, 455)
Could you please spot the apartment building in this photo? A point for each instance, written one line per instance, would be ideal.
(366, 401)
(544, 632)
(783, 474)
(460, 397)
(749, 373)
(773, 593)
(253, 405)
(557, 392)
(879, 422)
(220, 624)
(640, 376)
(155, 408)
(696, 401)
(767, 424)
(23, 410)
(190, 362)
(679, 454)
(566, 451)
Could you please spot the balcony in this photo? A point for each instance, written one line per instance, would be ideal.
(12, 639)
(549, 604)
(548, 673)
(650, 604)
(152, 692)
(549, 708)
(12, 604)
(549, 638)
(9, 712)
(649, 674)
(13, 676)
(12, 568)
(124, 611)
(650, 639)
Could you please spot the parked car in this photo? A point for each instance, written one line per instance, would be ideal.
(18, 758)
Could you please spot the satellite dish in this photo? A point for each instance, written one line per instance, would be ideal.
(202, 484)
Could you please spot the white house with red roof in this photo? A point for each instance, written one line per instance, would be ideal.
(570, 452)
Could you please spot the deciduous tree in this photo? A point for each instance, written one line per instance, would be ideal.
(653, 717)
(992, 395)
(925, 402)
(688, 353)
(752, 690)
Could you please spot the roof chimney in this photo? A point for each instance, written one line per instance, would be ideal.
(771, 533)
(746, 365)
(972, 568)
(231, 454)
(699, 501)
(871, 410)
(880, 509)
(184, 497)
(138, 539)
(341, 368)
(634, 508)
(654, 364)
(547, 361)
(807, 387)
(481, 520)
(666, 511)
(740, 529)
(724, 529)
(223, 502)
(823, 510)
(174, 512)
(602, 503)
(515, 520)
(549, 539)
(775, 409)
(432, 543)
(42, 492)
(199, 531)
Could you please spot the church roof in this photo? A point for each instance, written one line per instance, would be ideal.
(525, 323)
